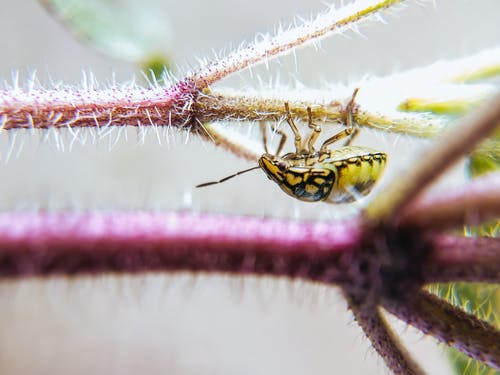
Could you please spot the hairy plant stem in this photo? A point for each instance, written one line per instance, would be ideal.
(455, 258)
(475, 203)
(335, 253)
(335, 20)
(43, 243)
(181, 106)
(49, 109)
(218, 106)
(38, 244)
(384, 341)
(450, 325)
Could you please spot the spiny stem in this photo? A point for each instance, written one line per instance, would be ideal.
(335, 20)
(179, 105)
(68, 243)
(218, 105)
(455, 143)
(42, 109)
(417, 127)
(455, 258)
(472, 204)
(324, 108)
(450, 325)
(384, 341)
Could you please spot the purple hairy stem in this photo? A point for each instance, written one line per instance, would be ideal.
(43, 109)
(384, 341)
(456, 259)
(472, 204)
(69, 243)
(450, 325)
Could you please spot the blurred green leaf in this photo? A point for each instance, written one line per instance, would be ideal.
(486, 158)
(440, 107)
(484, 73)
(155, 68)
(132, 30)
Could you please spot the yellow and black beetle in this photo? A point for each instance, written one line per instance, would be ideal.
(336, 176)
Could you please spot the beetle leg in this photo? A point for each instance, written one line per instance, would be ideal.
(264, 136)
(275, 130)
(337, 137)
(315, 133)
(282, 141)
(350, 122)
(352, 129)
(354, 134)
(295, 130)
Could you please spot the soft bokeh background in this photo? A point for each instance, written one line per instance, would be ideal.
(187, 324)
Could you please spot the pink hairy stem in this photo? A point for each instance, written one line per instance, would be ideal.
(70, 243)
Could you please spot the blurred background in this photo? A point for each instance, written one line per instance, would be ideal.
(185, 324)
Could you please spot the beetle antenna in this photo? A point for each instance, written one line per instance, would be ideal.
(226, 178)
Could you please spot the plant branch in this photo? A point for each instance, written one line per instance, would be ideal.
(450, 325)
(43, 109)
(218, 106)
(335, 20)
(472, 204)
(455, 258)
(182, 103)
(177, 105)
(247, 107)
(453, 144)
(68, 243)
(384, 341)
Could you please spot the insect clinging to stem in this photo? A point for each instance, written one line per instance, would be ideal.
(339, 175)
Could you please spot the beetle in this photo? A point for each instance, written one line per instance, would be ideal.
(339, 175)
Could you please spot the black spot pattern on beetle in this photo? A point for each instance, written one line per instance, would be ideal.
(364, 187)
(355, 160)
(368, 159)
(315, 185)
(340, 165)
